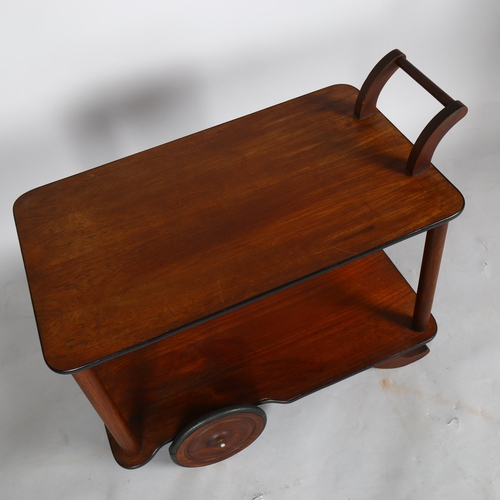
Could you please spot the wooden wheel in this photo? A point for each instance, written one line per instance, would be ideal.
(406, 359)
(217, 436)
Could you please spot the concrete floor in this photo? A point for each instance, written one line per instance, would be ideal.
(83, 85)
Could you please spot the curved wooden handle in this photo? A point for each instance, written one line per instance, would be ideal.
(424, 147)
(428, 140)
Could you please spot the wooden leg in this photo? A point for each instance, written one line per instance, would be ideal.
(433, 251)
(97, 394)
(406, 359)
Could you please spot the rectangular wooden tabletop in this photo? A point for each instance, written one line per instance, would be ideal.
(123, 254)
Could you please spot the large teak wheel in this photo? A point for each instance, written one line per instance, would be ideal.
(218, 435)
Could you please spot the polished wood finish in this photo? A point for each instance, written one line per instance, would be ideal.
(366, 102)
(130, 252)
(239, 265)
(366, 105)
(431, 261)
(279, 349)
(427, 142)
(106, 408)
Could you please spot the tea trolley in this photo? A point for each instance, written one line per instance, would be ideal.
(185, 286)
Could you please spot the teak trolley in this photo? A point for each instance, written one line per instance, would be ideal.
(187, 284)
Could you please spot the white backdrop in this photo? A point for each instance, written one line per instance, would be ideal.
(85, 83)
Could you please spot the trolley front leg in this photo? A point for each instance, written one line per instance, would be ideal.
(97, 394)
(431, 261)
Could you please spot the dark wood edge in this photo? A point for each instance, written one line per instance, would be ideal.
(366, 105)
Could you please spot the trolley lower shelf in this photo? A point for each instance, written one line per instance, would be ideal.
(277, 349)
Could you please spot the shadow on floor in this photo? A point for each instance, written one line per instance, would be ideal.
(126, 117)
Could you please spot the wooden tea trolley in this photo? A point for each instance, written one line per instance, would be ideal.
(186, 285)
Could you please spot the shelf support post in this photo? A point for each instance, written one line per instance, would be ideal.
(96, 392)
(431, 261)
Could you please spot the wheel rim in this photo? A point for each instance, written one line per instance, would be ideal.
(217, 436)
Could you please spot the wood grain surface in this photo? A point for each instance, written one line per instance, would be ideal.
(277, 349)
(123, 254)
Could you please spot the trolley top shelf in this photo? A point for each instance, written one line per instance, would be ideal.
(127, 253)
